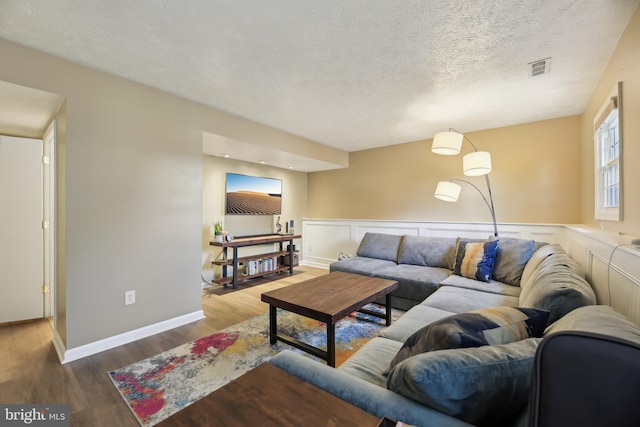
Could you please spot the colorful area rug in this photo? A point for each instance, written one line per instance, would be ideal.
(159, 386)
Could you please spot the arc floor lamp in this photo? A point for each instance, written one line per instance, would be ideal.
(477, 163)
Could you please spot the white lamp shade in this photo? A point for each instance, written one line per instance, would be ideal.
(448, 191)
(477, 163)
(447, 143)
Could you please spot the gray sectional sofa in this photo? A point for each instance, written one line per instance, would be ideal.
(421, 264)
(454, 385)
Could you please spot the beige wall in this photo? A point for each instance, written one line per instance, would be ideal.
(535, 179)
(294, 204)
(623, 66)
(129, 193)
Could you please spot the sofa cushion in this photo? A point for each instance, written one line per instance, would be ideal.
(372, 360)
(361, 265)
(557, 285)
(414, 319)
(428, 251)
(497, 325)
(380, 246)
(416, 282)
(400, 303)
(493, 286)
(475, 260)
(460, 300)
(600, 319)
(485, 386)
(513, 254)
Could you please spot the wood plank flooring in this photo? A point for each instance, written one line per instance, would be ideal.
(30, 371)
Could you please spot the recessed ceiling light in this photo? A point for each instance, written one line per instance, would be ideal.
(225, 155)
(262, 162)
(290, 167)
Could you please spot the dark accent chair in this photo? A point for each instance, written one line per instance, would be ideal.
(587, 380)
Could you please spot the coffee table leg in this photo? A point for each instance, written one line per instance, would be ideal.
(388, 308)
(331, 344)
(273, 325)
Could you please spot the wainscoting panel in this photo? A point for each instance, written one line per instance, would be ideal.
(611, 265)
(597, 274)
(397, 229)
(324, 239)
(616, 283)
(322, 243)
(625, 293)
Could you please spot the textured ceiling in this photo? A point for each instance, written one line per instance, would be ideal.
(351, 74)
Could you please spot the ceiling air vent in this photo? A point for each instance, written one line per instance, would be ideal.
(540, 67)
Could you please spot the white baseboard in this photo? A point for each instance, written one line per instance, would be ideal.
(315, 264)
(117, 340)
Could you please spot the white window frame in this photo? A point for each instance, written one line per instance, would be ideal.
(607, 137)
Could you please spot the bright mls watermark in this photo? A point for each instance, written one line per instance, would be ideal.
(34, 415)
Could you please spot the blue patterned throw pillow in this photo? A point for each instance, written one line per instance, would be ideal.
(489, 326)
(475, 260)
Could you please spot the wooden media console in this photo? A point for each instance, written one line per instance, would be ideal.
(266, 263)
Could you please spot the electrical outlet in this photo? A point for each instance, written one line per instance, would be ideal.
(129, 297)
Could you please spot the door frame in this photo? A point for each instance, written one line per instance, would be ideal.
(49, 225)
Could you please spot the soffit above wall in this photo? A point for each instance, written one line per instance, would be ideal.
(26, 112)
(220, 146)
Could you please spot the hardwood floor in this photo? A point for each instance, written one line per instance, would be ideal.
(30, 371)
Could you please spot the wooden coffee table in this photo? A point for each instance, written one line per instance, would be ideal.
(328, 299)
(270, 396)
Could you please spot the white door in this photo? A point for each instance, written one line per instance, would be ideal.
(21, 242)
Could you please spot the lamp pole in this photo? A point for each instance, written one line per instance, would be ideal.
(486, 177)
(489, 202)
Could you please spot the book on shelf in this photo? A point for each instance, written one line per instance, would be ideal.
(262, 265)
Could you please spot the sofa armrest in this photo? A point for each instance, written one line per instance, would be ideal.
(369, 397)
(556, 284)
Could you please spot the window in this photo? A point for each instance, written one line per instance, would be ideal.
(608, 156)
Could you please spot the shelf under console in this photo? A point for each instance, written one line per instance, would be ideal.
(276, 261)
